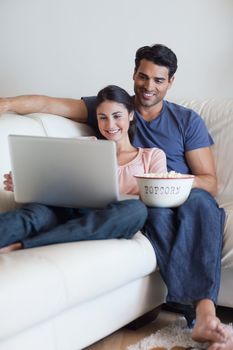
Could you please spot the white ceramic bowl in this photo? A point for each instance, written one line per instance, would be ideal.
(165, 192)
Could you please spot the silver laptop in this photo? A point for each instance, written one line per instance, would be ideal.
(63, 171)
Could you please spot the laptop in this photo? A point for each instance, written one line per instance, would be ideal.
(65, 172)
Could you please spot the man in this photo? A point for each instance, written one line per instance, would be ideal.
(187, 240)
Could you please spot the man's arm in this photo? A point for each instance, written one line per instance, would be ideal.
(201, 163)
(67, 107)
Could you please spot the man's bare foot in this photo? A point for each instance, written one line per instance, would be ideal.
(11, 248)
(227, 345)
(208, 328)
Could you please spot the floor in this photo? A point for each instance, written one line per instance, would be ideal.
(125, 337)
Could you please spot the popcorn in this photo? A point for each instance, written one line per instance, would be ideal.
(171, 174)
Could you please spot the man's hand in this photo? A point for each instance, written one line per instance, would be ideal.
(8, 182)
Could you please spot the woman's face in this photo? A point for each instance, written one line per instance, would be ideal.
(113, 120)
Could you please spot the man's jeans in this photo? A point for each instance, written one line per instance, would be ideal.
(36, 224)
(188, 243)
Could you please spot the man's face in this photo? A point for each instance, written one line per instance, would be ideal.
(151, 83)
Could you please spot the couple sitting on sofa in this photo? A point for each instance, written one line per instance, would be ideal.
(179, 236)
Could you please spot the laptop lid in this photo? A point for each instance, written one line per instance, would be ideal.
(63, 171)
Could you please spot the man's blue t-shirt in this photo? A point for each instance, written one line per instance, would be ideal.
(176, 130)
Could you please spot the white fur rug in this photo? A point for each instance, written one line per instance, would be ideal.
(175, 334)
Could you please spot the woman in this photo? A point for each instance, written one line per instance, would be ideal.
(36, 224)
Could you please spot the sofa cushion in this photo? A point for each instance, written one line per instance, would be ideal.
(40, 283)
(57, 126)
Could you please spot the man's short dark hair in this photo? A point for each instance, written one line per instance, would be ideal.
(158, 54)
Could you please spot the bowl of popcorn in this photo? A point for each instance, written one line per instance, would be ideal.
(165, 190)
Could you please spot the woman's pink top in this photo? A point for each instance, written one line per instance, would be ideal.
(148, 160)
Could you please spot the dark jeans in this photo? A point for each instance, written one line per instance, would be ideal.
(188, 243)
(37, 225)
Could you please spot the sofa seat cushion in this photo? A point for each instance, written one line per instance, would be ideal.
(40, 283)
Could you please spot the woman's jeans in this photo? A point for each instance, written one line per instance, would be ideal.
(188, 243)
(37, 225)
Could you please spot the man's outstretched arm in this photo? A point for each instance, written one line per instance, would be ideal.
(26, 104)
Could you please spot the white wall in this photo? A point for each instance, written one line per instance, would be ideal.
(73, 48)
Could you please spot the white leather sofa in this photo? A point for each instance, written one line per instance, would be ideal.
(67, 296)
